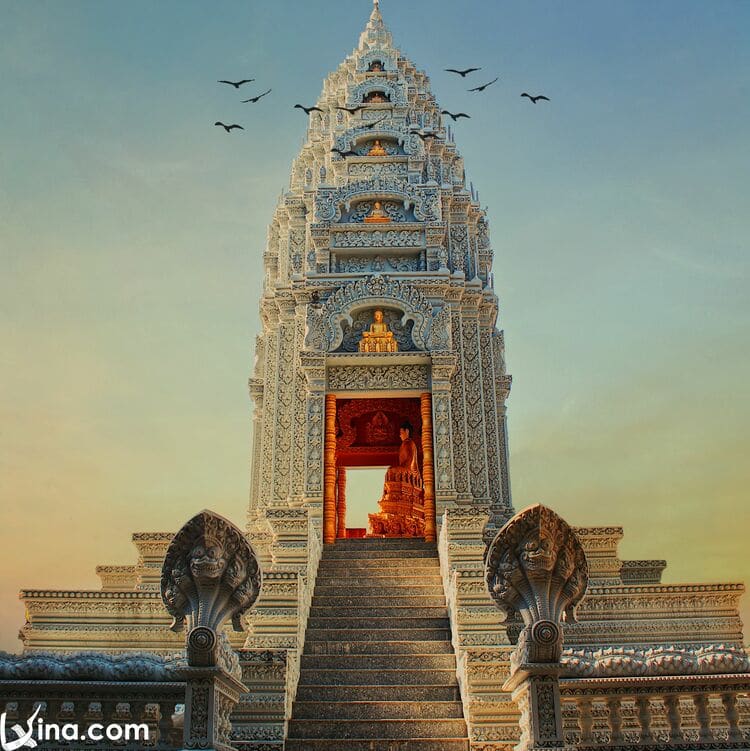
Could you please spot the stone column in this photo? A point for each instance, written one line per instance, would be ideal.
(210, 575)
(340, 503)
(536, 567)
(428, 470)
(329, 471)
(443, 367)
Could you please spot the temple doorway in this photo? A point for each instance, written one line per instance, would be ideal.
(394, 434)
(364, 486)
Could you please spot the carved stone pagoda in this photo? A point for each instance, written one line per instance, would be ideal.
(379, 311)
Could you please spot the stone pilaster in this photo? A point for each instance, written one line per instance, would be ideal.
(479, 638)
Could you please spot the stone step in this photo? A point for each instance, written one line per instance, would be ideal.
(375, 623)
(371, 729)
(395, 611)
(376, 578)
(371, 647)
(411, 677)
(326, 589)
(377, 710)
(392, 692)
(379, 662)
(380, 543)
(398, 566)
(333, 554)
(355, 600)
(378, 744)
(383, 635)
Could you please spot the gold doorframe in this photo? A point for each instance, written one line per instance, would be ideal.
(334, 520)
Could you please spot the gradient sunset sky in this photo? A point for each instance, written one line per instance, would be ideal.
(132, 233)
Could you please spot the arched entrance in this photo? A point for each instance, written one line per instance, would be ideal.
(368, 432)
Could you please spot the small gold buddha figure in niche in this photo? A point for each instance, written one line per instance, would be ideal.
(376, 97)
(377, 215)
(377, 149)
(375, 66)
(379, 338)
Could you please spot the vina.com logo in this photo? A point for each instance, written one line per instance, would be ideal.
(38, 731)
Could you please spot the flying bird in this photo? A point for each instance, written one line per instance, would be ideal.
(377, 122)
(535, 99)
(352, 110)
(485, 85)
(237, 84)
(227, 128)
(462, 73)
(307, 110)
(344, 154)
(256, 98)
(456, 116)
(426, 136)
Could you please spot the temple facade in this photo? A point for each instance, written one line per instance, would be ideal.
(386, 238)
(379, 347)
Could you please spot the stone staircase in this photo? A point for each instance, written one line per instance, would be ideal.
(378, 672)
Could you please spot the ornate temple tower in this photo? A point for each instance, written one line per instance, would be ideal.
(378, 218)
(379, 347)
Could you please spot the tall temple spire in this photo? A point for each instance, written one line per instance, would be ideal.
(378, 219)
(376, 32)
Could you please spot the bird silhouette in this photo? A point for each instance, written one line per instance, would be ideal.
(307, 110)
(352, 110)
(462, 73)
(237, 84)
(344, 154)
(377, 122)
(535, 99)
(254, 99)
(485, 85)
(227, 128)
(426, 136)
(456, 116)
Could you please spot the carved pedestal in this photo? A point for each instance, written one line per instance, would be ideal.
(211, 694)
(401, 507)
(536, 690)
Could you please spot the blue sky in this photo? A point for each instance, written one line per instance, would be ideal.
(132, 232)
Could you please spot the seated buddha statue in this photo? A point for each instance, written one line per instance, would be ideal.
(377, 215)
(377, 149)
(379, 338)
(375, 66)
(402, 505)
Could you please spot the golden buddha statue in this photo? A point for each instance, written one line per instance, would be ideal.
(379, 338)
(377, 215)
(402, 504)
(377, 149)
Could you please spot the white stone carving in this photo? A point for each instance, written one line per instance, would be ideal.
(378, 378)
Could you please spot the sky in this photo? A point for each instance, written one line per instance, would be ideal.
(132, 233)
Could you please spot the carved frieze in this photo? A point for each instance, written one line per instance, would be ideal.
(325, 325)
(331, 202)
(393, 90)
(378, 377)
(380, 238)
(358, 264)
